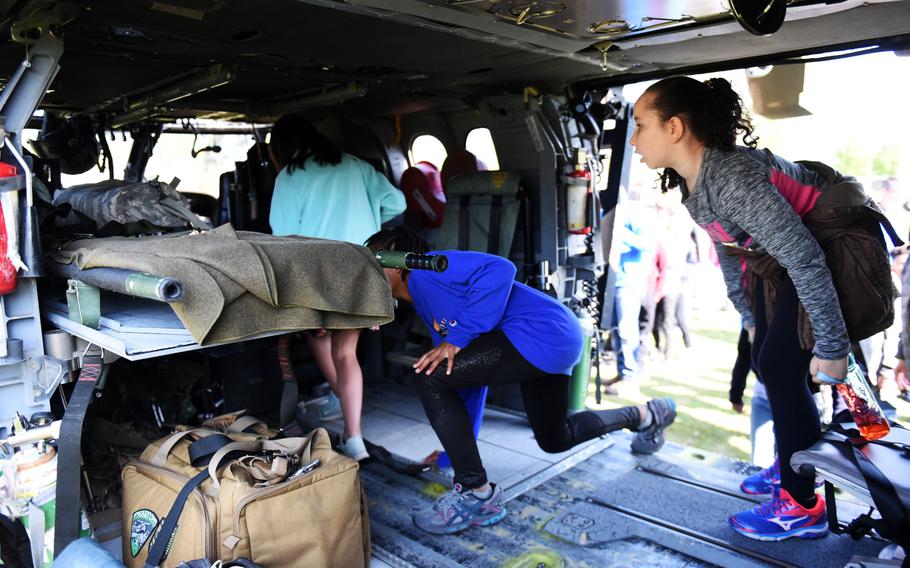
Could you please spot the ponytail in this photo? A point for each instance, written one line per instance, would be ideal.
(711, 110)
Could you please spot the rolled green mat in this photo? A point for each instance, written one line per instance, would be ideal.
(412, 260)
(160, 288)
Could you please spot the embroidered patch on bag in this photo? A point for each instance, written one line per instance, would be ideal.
(142, 524)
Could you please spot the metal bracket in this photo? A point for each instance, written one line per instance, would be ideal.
(30, 83)
(83, 303)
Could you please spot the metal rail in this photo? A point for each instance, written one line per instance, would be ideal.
(692, 534)
(699, 484)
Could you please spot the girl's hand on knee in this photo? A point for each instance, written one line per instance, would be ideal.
(432, 358)
(836, 369)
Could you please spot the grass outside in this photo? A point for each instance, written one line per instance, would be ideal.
(698, 379)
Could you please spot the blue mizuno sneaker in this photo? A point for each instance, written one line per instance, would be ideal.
(459, 509)
(763, 482)
(782, 518)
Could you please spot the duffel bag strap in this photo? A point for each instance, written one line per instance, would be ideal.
(287, 455)
(302, 447)
(265, 471)
(211, 449)
(219, 455)
(244, 422)
(164, 450)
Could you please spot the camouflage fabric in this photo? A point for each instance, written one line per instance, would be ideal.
(152, 205)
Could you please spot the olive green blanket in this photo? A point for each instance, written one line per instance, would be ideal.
(238, 284)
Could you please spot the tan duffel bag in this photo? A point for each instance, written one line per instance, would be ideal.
(292, 502)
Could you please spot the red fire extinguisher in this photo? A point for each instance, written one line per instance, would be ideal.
(579, 192)
(8, 270)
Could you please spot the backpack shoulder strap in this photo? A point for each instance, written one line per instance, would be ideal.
(178, 208)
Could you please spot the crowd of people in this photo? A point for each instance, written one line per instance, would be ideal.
(488, 329)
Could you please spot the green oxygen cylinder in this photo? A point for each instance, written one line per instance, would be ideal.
(581, 373)
(412, 260)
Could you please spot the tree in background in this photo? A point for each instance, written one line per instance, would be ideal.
(886, 162)
(852, 160)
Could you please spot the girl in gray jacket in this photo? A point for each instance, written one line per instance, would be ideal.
(750, 199)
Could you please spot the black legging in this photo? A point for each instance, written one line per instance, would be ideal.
(784, 366)
(740, 373)
(491, 359)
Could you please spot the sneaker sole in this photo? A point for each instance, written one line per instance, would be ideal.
(647, 451)
(806, 533)
(750, 492)
(485, 522)
(769, 491)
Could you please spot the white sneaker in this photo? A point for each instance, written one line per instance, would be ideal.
(354, 448)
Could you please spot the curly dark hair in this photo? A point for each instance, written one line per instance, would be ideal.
(711, 110)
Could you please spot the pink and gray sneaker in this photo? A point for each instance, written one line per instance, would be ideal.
(460, 509)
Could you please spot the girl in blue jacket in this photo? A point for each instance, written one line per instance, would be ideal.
(490, 330)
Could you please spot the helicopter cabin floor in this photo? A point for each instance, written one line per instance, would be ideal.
(596, 505)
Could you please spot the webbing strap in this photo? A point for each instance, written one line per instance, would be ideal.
(182, 210)
(289, 393)
(464, 222)
(222, 453)
(163, 541)
(242, 423)
(495, 218)
(14, 543)
(884, 495)
(69, 454)
(204, 449)
(889, 228)
(164, 450)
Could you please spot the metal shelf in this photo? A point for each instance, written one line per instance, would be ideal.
(133, 328)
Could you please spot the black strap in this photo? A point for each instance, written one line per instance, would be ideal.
(236, 563)
(240, 563)
(858, 527)
(69, 452)
(495, 220)
(895, 518)
(201, 452)
(856, 439)
(381, 455)
(831, 506)
(886, 224)
(15, 551)
(464, 222)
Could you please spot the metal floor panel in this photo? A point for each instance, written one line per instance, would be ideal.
(608, 508)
